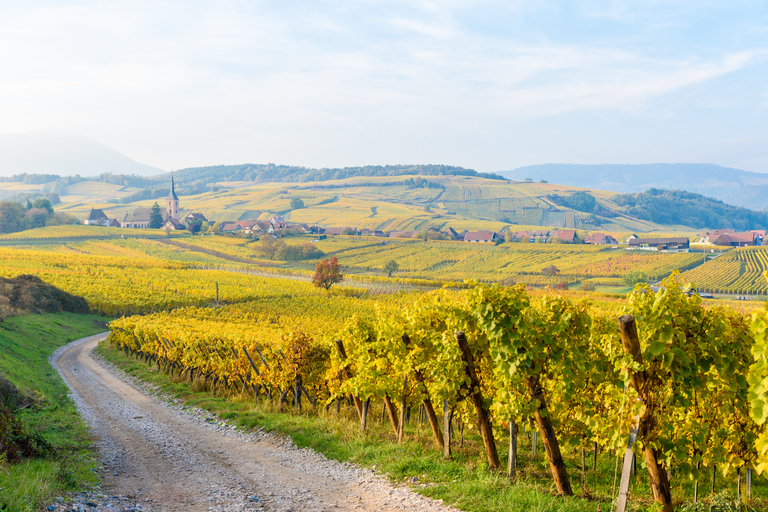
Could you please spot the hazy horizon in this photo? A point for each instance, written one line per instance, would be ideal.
(485, 85)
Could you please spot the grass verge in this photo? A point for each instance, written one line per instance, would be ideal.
(463, 482)
(26, 342)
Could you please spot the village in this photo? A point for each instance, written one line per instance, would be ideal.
(142, 218)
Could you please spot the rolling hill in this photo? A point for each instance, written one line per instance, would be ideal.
(733, 186)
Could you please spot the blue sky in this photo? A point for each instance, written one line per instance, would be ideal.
(481, 84)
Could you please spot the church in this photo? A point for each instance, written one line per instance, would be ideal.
(172, 210)
(140, 218)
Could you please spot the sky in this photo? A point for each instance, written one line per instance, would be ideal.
(488, 85)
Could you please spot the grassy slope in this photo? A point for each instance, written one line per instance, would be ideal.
(464, 203)
(463, 482)
(26, 342)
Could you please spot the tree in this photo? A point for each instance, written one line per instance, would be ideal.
(550, 271)
(633, 277)
(296, 203)
(270, 247)
(11, 217)
(391, 267)
(155, 217)
(327, 273)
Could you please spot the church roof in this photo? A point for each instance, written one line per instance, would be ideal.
(172, 194)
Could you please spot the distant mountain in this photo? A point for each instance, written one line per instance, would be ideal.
(64, 154)
(733, 186)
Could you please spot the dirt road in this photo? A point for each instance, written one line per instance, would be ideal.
(163, 456)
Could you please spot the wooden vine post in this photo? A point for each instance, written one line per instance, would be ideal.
(348, 374)
(428, 407)
(549, 438)
(476, 396)
(656, 472)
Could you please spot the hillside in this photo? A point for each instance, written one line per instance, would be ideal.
(384, 199)
(734, 186)
(389, 203)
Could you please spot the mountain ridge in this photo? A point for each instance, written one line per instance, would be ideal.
(61, 153)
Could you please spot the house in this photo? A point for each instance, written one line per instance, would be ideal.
(371, 232)
(735, 239)
(173, 225)
(230, 227)
(403, 234)
(710, 236)
(679, 244)
(96, 218)
(112, 223)
(599, 239)
(138, 219)
(566, 235)
(759, 235)
(451, 233)
(191, 218)
(483, 237)
(533, 235)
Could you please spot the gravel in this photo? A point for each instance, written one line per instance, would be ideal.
(158, 454)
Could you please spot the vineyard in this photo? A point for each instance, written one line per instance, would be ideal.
(738, 271)
(423, 260)
(519, 262)
(495, 361)
(541, 364)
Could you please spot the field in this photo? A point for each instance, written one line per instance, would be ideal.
(387, 203)
(209, 311)
(366, 256)
(737, 272)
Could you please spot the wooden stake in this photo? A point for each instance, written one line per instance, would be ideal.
(533, 443)
(512, 463)
(630, 341)
(364, 416)
(476, 395)
(402, 411)
(447, 413)
(626, 469)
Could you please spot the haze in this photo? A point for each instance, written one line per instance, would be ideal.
(480, 84)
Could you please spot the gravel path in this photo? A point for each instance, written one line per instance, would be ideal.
(160, 455)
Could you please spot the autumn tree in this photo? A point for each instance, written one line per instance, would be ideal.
(270, 247)
(327, 273)
(391, 267)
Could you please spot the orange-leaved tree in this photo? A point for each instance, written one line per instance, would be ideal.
(327, 273)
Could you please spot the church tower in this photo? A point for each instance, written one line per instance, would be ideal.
(172, 203)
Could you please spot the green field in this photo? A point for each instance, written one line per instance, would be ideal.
(26, 342)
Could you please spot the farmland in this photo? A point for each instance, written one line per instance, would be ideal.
(738, 272)
(387, 203)
(417, 259)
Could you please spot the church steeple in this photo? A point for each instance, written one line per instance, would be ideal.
(172, 203)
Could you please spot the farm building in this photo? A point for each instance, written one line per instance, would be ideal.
(599, 239)
(680, 244)
(483, 237)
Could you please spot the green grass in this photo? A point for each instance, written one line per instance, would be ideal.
(26, 342)
(463, 482)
